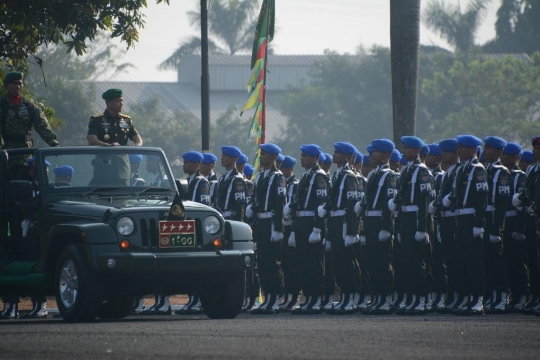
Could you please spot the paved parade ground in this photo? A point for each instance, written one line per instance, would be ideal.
(282, 336)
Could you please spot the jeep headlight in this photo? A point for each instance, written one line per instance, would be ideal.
(125, 226)
(212, 225)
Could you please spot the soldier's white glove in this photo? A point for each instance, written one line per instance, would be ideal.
(518, 236)
(249, 212)
(494, 239)
(327, 246)
(287, 212)
(421, 236)
(363, 240)
(315, 236)
(432, 208)
(277, 236)
(350, 240)
(478, 232)
(292, 240)
(530, 210)
(446, 201)
(515, 200)
(384, 235)
(398, 238)
(439, 239)
(391, 205)
(254, 246)
(358, 208)
(322, 211)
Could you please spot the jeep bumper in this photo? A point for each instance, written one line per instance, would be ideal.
(188, 262)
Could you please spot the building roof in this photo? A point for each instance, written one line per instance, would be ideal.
(187, 98)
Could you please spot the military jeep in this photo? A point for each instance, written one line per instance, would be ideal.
(95, 240)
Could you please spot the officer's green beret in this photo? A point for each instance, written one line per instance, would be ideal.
(12, 76)
(112, 94)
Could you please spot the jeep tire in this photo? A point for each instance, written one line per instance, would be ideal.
(116, 307)
(222, 297)
(78, 291)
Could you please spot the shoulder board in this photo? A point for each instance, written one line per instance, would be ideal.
(517, 171)
(350, 173)
(124, 116)
(499, 167)
(98, 115)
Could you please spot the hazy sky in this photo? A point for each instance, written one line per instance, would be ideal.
(303, 27)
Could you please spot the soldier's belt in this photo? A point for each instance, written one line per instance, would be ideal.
(510, 213)
(490, 208)
(305, 213)
(373, 213)
(409, 208)
(447, 213)
(265, 215)
(228, 213)
(337, 213)
(466, 211)
(287, 223)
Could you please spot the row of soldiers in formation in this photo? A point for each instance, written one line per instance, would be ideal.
(414, 232)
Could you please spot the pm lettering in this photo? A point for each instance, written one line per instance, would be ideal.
(391, 192)
(352, 194)
(281, 191)
(425, 187)
(239, 196)
(483, 186)
(205, 198)
(504, 189)
(321, 192)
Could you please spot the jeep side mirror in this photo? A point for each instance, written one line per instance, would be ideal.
(20, 189)
(183, 188)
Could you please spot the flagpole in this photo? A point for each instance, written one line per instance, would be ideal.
(263, 114)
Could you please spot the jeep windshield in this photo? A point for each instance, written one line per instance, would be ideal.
(114, 172)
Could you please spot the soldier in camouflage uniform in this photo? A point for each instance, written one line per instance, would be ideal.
(18, 115)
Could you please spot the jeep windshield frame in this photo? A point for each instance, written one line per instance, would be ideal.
(101, 171)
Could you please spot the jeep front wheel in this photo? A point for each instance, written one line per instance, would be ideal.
(222, 298)
(78, 291)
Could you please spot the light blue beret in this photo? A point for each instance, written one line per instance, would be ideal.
(64, 170)
(231, 151)
(311, 149)
(468, 140)
(209, 158)
(193, 156)
(270, 148)
(288, 162)
(412, 142)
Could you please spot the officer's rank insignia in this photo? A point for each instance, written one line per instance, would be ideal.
(177, 233)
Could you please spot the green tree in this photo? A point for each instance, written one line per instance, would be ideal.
(454, 26)
(348, 99)
(486, 96)
(25, 25)
(517, 27)
(231, 24)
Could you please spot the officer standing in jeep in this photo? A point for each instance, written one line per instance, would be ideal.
(112, 127)
(18, 115)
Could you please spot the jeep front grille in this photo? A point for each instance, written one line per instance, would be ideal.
(149, 233)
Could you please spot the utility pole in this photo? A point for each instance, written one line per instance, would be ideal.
(205, 79)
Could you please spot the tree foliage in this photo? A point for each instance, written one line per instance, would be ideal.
(231, 25)
(517, 27)
(454, 26)
(28, 24)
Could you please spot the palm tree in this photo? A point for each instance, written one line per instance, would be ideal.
(231, 25)
(457, 28)
(405, 41)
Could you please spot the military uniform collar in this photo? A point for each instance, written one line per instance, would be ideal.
(109, 116)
